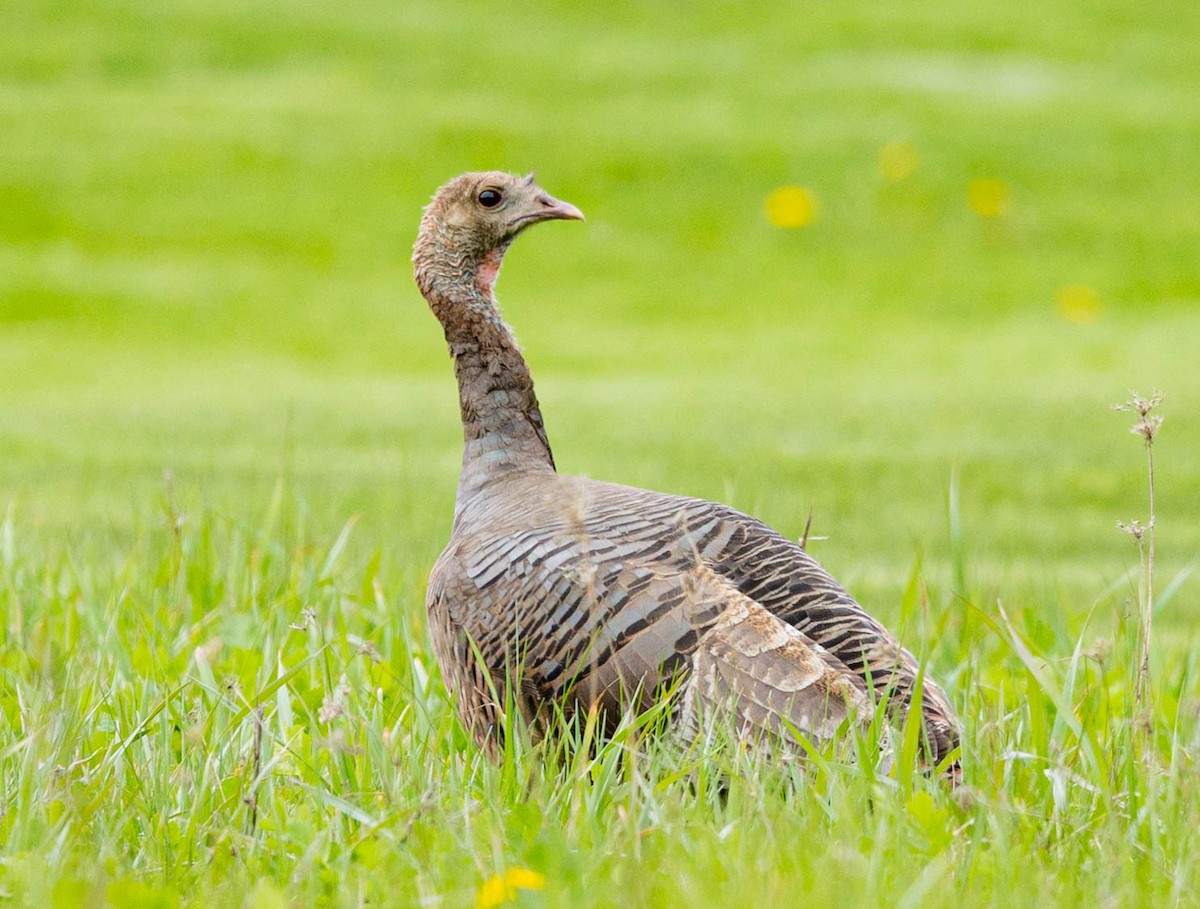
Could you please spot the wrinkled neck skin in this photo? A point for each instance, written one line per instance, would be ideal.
(502, 425)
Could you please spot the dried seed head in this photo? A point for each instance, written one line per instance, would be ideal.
(1146, 425)
(308, 619)
(1134, 528)
(334, 704)
(1099, 650)
(1139, 405)
(331, 709)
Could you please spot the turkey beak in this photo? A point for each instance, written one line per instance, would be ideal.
(551, 209)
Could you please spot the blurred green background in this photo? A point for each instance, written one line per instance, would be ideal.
(206, 212)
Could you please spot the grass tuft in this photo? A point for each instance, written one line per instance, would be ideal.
(252, 715)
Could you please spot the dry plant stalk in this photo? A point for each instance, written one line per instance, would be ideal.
(1146, 426)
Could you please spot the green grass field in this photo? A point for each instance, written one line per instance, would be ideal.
(229, 439)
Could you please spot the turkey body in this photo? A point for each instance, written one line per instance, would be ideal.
(569, 591)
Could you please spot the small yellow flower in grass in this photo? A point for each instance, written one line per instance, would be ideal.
(988, 197)
(791, 206)
(492, 893)
(524, 879)
(897, 160)
(1078, 303)
(497, 890)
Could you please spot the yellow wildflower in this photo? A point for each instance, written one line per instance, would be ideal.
(1078, 303)
(791, 206)
(525, 879)
(497, 890)
(988, 197)
(492, 893)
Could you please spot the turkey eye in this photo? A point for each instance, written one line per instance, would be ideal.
(489, 198)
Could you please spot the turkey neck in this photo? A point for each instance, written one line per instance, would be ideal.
(502, 425)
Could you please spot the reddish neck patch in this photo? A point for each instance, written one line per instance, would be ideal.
(485, 276)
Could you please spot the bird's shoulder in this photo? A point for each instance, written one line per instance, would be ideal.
(571, 520)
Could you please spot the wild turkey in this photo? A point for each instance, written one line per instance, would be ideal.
(570, 590)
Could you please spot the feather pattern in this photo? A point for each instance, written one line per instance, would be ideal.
(599, 591)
